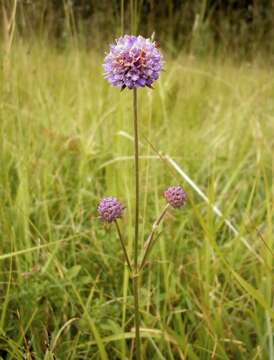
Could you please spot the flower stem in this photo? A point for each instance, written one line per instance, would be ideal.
(136, 274)
(149, 243)
(136, 160)
(123, 245)
(137, 315)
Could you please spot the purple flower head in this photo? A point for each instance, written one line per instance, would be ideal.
(175, 196)
(133, 62)
(110, 209)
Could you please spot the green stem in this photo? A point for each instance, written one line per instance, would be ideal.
(133, 16)
(136, 275)
(123, 245)
(149, 242)
(137, 316)
(136, 160)
(122, 4)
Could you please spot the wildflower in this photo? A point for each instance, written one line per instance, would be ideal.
(175, 196)
(110, 209)
(133, 62)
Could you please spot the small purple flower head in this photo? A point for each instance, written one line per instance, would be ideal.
(110, 209)
(133, 62)
(175, 196)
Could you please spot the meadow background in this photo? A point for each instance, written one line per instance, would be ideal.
(66, 141)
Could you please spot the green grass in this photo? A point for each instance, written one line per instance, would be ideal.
(66, 142)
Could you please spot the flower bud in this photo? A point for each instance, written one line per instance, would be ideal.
(175, 196)
(110, 209)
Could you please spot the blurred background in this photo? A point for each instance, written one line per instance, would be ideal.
(201, 26)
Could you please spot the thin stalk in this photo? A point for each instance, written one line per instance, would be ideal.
(123, 245)
(136, 275)
(122, 4)
(132, 16)
(135, 16)
(137, 316)
(149, 242)
(136, 161)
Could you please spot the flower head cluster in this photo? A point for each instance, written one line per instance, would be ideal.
(133, 62)
(175, 196)
(110, 209)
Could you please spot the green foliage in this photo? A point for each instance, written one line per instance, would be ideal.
(65, 292)
(241, 28)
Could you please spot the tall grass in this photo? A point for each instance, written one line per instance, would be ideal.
(66, 140)
(239, 28)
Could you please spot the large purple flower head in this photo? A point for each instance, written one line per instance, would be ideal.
(175, 196)
(133, 62)
(110, 209)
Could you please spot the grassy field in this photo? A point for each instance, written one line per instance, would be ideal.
(66, 141)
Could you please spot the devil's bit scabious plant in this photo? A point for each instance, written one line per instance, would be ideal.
(110, 209)
(131, 63)
(175, 196)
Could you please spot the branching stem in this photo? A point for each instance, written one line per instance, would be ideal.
(123, 246)
(149, 242)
